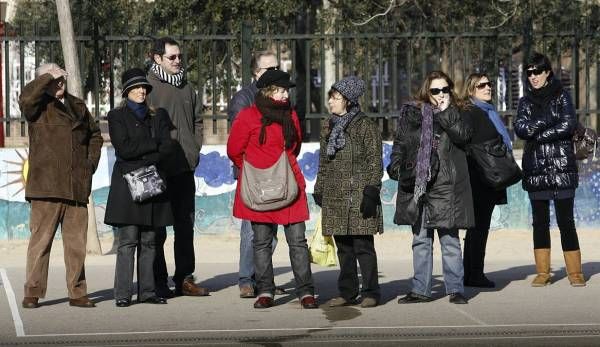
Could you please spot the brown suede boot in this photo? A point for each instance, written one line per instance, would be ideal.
(573, 262)
(542, 266)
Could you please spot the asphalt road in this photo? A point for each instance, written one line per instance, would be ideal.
(511, 314)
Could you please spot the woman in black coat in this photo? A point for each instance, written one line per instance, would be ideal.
(140, 137)
(546, 120)
(433, 191)
(487, 125)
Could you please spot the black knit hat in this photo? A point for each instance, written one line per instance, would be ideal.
(133, 78)
(275, 78)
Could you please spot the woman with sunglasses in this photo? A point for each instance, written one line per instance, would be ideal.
(487, 125)
(546, 120)
(259, 135)
(433, 190)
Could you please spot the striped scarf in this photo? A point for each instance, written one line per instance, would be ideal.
(175, 80)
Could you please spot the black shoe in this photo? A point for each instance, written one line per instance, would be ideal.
(414, 298)
(164, 292)
(481, 282)
(458, 298)
(123, 302)
(154, 300)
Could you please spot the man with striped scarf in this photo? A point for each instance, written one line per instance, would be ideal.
(172, 92)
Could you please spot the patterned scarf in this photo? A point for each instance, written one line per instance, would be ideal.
(494, 117)
(276, 112)
(423, 174)
(337, 125)
(175, 80)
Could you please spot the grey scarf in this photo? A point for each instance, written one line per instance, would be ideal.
(175, 80)
(338, 124)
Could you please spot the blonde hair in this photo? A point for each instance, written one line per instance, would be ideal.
(470, 85)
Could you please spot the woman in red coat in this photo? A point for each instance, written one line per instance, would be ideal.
(259, 134)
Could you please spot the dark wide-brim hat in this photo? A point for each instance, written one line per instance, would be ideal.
(133, 78)
(275, 78)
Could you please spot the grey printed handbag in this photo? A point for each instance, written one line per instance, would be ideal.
(144, 183)
(268, 189)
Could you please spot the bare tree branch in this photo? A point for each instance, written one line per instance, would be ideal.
(390, 7)
(507, 16)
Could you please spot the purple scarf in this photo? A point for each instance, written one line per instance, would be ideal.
(423, 174)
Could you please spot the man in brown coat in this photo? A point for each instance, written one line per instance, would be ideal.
(64, 150)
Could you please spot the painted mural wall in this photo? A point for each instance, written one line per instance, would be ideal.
(215, 188)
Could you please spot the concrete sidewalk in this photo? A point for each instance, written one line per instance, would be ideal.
(511, 314)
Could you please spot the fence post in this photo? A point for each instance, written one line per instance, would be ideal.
(527, 36)
(246, 52)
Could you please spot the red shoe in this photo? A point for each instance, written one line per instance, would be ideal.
(309, 302)
(263, 302)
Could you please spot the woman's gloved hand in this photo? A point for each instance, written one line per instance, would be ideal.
(370, 201)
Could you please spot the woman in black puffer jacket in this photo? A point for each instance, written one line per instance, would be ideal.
(546, 120)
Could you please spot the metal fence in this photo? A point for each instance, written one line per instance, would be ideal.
(392, 63)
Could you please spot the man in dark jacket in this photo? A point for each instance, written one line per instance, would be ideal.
(172, 92)
(261, 61)
(64, 150)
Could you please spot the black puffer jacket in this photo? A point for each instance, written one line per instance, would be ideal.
(548, 158)
(448, 202)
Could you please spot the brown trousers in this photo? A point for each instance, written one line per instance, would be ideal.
(46, 215)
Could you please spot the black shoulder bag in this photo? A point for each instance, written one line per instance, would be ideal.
(495, 163)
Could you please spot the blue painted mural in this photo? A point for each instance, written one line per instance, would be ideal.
(215, 188)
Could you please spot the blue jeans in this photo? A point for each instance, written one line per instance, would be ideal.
(298, 250)
(246, 272)
(423, 260)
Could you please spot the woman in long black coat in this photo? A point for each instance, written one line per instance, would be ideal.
(486, 125)
(140, 137)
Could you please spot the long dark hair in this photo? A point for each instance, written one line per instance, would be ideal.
(424, 95)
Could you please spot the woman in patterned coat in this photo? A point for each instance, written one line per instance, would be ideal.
(347, 189)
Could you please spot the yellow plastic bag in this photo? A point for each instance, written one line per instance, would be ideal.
(321, 248)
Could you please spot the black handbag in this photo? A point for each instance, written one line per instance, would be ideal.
(495, 163)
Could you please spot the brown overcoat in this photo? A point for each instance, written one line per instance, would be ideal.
(64, 144)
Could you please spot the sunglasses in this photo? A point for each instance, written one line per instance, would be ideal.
(536, 72)
(271, 68)
(484, 84)
(174, 56)
(436, 91)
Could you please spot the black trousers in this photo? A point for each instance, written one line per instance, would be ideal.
(350, 249)
(563, 208)
(182, 193)
(476, 237)
(132, 238)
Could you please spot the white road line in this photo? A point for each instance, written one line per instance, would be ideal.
(12, 302)
(487, 326)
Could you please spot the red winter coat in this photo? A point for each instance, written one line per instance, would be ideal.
(243, 140)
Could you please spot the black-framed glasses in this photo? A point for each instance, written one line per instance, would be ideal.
(436, 91)
(535, 71)
(174, 56)
(485, 84)
(271, 68)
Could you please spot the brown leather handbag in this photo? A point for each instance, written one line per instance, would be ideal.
(268, 189)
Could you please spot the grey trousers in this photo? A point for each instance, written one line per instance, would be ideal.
(298, 250)
(132, 237)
